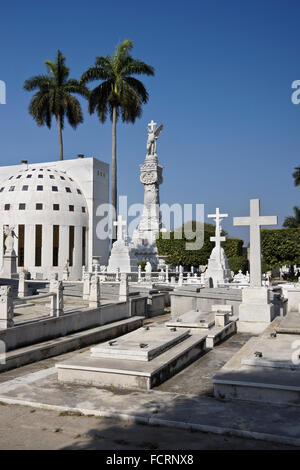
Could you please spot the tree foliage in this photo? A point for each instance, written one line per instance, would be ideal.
(54, 96)
(238, 263)
(281, 246)
(118, 89)
(177, 254)
(293, 221)
(296, 176)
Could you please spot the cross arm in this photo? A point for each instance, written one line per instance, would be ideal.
(268, 220)
(241, 220)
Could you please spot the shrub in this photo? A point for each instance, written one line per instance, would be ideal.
(238, 263)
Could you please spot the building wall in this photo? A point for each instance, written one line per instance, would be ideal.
(92, 177)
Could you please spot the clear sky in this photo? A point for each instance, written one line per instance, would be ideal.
(222, 88)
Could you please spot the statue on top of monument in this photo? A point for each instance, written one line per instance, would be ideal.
(153, 135)
(9, 234)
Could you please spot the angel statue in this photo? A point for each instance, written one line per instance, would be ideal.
(153, 135)
(9, 235)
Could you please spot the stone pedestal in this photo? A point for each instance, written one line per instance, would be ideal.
(6, 307)
(57, 301)
(86, 286)
(94, 298)
(122, 258)
(9, 268)
(124, 289)
(255, 311)
(218, 269)
(23, 285)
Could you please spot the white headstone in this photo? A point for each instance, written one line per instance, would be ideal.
(255, 221)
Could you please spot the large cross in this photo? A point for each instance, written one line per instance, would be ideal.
(152, 125)
(217, 238)
(120, 223)
(255, 221)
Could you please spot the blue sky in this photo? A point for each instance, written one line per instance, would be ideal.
(222, 88)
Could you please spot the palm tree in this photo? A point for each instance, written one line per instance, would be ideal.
(293, 221)
(119, 94)
(54, 97)
(296, 176)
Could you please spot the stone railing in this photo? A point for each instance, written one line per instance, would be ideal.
(7, 303)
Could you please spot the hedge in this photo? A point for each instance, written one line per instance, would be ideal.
(280, 246)
(177, 254)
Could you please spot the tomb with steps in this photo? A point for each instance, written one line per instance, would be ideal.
(267, 368)
(139, 360)
(218, 323)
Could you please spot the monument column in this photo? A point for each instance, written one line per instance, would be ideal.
(144, 237)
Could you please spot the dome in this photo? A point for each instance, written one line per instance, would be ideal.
(48, 212)
(41, 194)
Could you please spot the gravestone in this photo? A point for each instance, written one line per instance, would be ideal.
(122, 258)
(218, 269)
(255, 310)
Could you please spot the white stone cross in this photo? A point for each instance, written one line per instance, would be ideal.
(217, 238)
(120, 223)
(255, 221)
(152, 125)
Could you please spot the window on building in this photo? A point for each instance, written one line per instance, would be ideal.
(68, 190)
(18, 177)
(25, 187)
(83, 209)
(51, 176)
(38, 245)
(21, 245)
(39, 206)
(56, 207)
(55, 244)
(40, 176)
(22, 206)
(1, 190)
(71, 208)
(39, 188)
(54, 188)
(28, 176)
(62, 178)
(71, 244)
(83, 246)
(6, 207)
(12, 188)
(78, 191)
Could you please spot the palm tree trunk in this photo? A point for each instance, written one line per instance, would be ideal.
(114, 171)
(60, 140)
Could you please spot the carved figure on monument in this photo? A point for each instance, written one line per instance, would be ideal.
(9, 239)
(144, 236)
(153, 135)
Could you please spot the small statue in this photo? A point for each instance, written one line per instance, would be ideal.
(9, 239)
(153, 135)
(148, 267)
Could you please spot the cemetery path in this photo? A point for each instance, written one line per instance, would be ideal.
(183, 403)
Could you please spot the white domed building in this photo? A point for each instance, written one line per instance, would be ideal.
(52, 210)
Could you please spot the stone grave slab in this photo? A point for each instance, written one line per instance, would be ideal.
(271, 377)
(142, 344)
(132, 374)
(290, 324)
(193, 319)
(275, 350)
